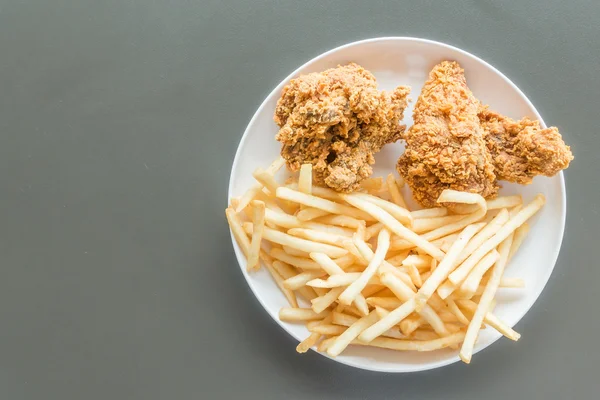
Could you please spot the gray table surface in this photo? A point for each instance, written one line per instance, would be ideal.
(119, 120)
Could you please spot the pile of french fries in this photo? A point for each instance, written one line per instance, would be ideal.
(375, 273)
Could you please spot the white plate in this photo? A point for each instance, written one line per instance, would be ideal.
(407, 61)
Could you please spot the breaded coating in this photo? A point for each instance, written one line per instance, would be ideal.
(522, 149)
(457, 143)
(337, 120)
(445, 147)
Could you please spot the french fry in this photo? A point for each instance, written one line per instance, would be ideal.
(399, 258)
(368, 255)
(302, 244)
(401, 214)
(487, 232)
(321, 303)
(395, 192)
(471, 283)
(328, 330)
(288, 314)
(394, 225)
(340, 280)
(300, 280)
(377, 328)
(313, 338)
(504, 202)
(405, 294)
(518, 238)
(266, 179)
(257, 187)
(294, 252)
(341, 220)
(325, 343)
(416, 345)
(428, 224)
(258, 222)
(411, 324)
(445, 267)
(299, 262)
(372, 185)
(373, 230)
(487, 297)
(417, 261)
(320, 203)
(491, 320)
(413, 272)
(356, 287)
(507, 229)
(351, 333)
(310, 213)
(454, 309)
(286, 271)
(289, 295)
(238, 231)
(512, 282)
(284, 220)
(389, 303)
(429, 213)
(318, 236)
(305, 179)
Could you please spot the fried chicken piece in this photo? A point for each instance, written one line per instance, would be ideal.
(445, 147)
(522, 149)
(337, 120)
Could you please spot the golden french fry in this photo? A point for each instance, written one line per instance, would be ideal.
(471, 283)
(300, 280)
(504, 202)
(491, 320)
(321, 303)
(387, 322)
(460, 273)
(394, 225)
(302, 244)
(487, 297)
(238, 231)
(419, 261)
(356, 287)
(427, 312)
(453, 308)
(429, 213)
(446, 266)
(512, 283)
(256, 188)
(299, 262)
(416, 345)
(313, 338)
(487, 232)
(288, 314)
(266, 179)
(310, 213)
(320, 203)
(289, 295)
(395, 192)
(372, 185)
(342, 220)
(428, 224)
(389, 303)
(325, 343)
(351, 333)
(398, 258)
(258, 225)
(368, 255)
(401, 214)
(411, 324)
(305, 179)
(328, 329)
(518, 238)
(294, 252)
(340, 280)
(373, 230)
(318, 236)
(414, 274)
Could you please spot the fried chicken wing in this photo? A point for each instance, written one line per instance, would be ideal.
(445, 147)
(522, 149)
(457, 143)
(337, 120)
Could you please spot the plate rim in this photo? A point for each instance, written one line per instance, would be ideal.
(279, 87)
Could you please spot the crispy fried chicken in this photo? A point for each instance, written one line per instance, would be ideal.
(522, 149)
(457, 143)
(336, 120)
(445, 147)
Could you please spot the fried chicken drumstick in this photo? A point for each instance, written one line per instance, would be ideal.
(336, 120)
(445, 147)
(457, 143)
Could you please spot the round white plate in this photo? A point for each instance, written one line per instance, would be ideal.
(407, 61)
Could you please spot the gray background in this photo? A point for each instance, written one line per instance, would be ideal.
(119, 120)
